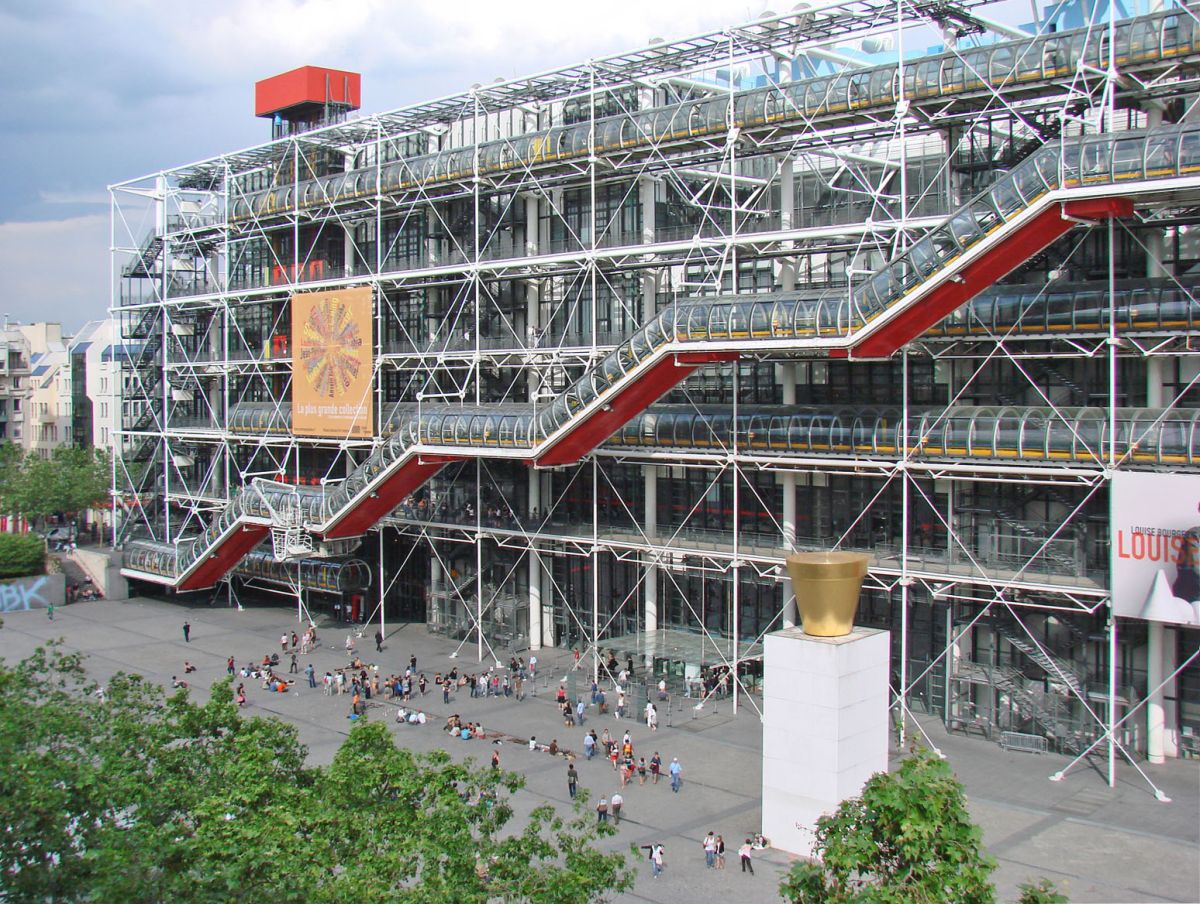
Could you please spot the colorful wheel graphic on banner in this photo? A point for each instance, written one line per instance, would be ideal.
(331, 349)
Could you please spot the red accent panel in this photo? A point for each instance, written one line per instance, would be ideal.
(307, 85)
(219, 562)
(650, 386)
(997, 262)
(1098, 208)
(388, 495)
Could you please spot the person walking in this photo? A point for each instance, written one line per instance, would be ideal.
(744, 854)
(187, 633)
(656, 860)
(50, 611)
(710, 850)
(294, 667)
(496, 760)
(720, 852)
(572, 780)
(676, 771)
(589, 745)
(652, 716)
(312, 675)
(283, 642)
(655, 766)
(378, 641)
(229, 666)
(328, 681)
(617, 802)
(295, 640)
(602, 810)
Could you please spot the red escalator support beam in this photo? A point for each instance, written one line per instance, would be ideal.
(649, 388)
(225, 557)
(388, 495)
(996, 263)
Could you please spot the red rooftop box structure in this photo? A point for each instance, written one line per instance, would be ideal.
(300, 93)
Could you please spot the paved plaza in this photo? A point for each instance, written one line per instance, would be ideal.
(1099, 844)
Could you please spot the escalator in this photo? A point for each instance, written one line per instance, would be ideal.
(1082, 181)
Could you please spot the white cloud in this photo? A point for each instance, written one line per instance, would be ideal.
(56, 270)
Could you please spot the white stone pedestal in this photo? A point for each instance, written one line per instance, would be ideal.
(825, 727)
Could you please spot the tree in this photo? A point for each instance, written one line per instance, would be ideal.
(11, 459)
(906, 839)
(71, 480)
(21, 555)
(137, 798)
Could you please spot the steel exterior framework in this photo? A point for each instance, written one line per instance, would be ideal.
(501, 273)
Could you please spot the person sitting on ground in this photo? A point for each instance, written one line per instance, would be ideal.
(533, 744)
(553, 748)
(175, 682)
(188, 668)
(465, 732)
(478, 731)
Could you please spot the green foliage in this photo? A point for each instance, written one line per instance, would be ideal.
(1041, 892)
(70, 480)
(21, 555)
(136, 798)
(907, 839)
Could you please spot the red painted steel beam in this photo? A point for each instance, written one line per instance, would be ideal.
(649, 388)
(388, 495)
(221, 560)
(996, 263)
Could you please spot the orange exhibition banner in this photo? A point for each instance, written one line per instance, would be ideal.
(331, 365)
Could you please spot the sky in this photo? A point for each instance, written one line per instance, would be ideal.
(98, 93)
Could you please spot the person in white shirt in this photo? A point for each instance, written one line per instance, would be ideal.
(744, 853)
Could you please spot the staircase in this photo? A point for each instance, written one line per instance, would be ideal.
(1049, 193)
(146, 259)
(1059, 670)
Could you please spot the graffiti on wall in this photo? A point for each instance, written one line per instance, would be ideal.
(20, 596)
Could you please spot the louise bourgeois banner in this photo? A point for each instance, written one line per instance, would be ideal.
(332, 363)
(1155, 522)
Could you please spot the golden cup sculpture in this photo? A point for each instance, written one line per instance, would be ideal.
(827, 585)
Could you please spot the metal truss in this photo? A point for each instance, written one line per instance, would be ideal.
(503, 270)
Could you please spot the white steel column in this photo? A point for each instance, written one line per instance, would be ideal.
(788, 482)
(650, 582)
(382, 587)
(646, 196)
(787, 205)
(1160, 655)
(535, 565)
(533, 221)
(435, 587)
(548, 638)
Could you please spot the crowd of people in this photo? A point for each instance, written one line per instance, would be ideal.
(366, 684)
